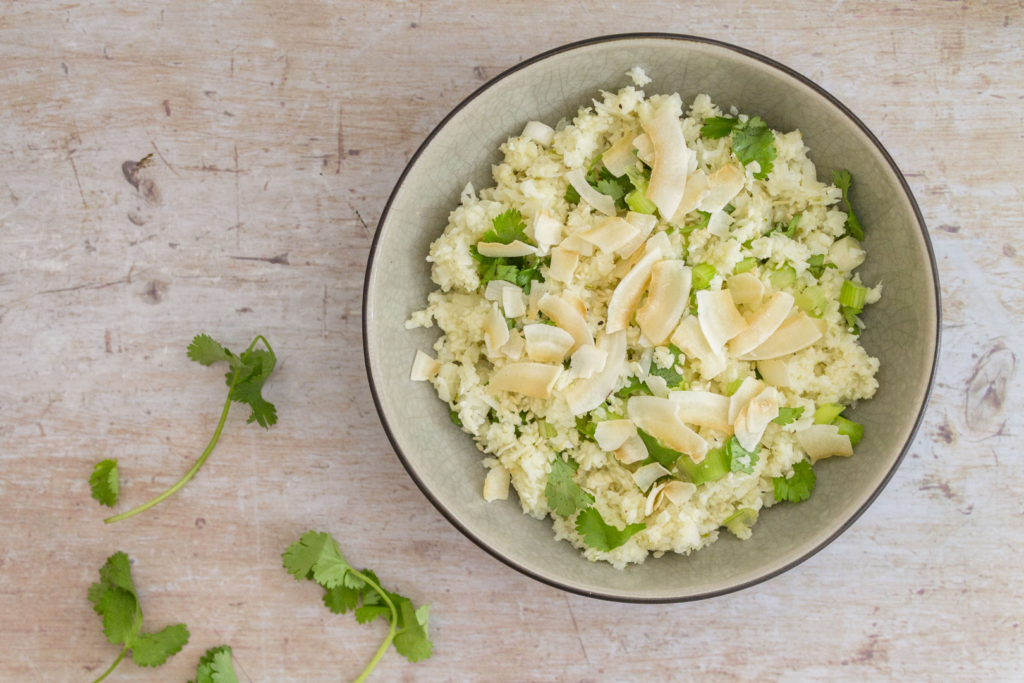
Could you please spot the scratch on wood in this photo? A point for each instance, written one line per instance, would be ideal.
(325, 313)
(341, 138)
(123, 281)
(160, 154)
(280, 259)
(71, 158)
(985, 393)
(577, 630)
(359, 217)
(238, 200)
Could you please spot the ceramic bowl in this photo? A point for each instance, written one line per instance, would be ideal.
(902, 332)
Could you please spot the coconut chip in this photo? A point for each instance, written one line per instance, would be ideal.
(530, 379)
(719, 319)
(584, 395)
(513, 348)
(644, 149)
(610, 234)
(659, 417)
(496, 484)
(648, 474)
(610, 435)
(697, 189)
(547, 231)
(546, 343)
(601, 202)
(563, 264)
(703, 408)
(645, 225)
(762, 324)
(539, 132)
(619, 156)
(495, 331)
(723, 185)
(679, 492)
(671, 160)
(668, 296)
(499, 250)
(824, 441)
(575, 301)
(634, 450)
(746, 289)
(587, 361)
(568, 318)
(628, 292)
(690, 339)
(755, 416)
(748, 389)
(513, 302)
(775, 373)
(795, 334)
(423, 367)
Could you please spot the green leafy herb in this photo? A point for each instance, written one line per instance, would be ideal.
(816, 265)
(506, 228)
(740, 459)
(586, 426)
(316, 556)
(115, 600)
(216, 666)
(843, 181)
(571, 195)
(672, 378)
(740, 521)
(564, 495)
(788, 416)
(790, 230)
(103, 482)
(718, 127)
(247, 374)
(600, 535)
(635, 386)
(851, 318)
(755, 142)
(453, 415)
(798, 487)
(659, 452)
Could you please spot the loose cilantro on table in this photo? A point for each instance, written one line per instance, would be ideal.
(600, 535)
(752, 140)
(245, 379)
(798, 487)
(740, 459)
(788, 416)
(216, 667)
(316, 556)
(114, 598)
(103, 482)
(842, 180)
(564, 495)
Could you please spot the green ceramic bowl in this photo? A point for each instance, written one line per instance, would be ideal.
(903, 328)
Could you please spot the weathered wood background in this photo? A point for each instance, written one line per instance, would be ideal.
(278, 130)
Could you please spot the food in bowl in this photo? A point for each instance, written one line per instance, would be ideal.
(650, 323)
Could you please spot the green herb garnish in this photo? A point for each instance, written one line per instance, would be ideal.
(788, 416)
(842, 180)
(564, 495)
(740, 459)
(751, 140)
(216, 666)
(798, 487)
(103, 482)
(600, 535)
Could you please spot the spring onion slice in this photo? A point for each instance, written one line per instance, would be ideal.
(850, 428)
(732, 386)
(853, 295)
(745, 266)
(783, 277)
(827, 413)
(812, 301)
(714, 466)
(639, 203)
(741, 520)
(702, 275)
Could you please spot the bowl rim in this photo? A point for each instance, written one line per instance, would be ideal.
(767, 61)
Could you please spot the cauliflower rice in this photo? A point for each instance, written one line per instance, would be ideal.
(523, 434)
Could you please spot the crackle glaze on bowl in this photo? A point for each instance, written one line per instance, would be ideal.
(903, 328)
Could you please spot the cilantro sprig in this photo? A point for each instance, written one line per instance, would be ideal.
(788, 416)
(216, 666)
(521, 271)
(317, 557)
(673, 379)
(506, 228)
(600, 535)
(247, 374)
(842, 180)
(752, 140)
(798, 487)
(114, 598)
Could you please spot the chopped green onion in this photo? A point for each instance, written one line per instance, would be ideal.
(746, 265)
(729, 208)
(453, 415)
(702, 275)
(740, 521)
(827, 413)
(853, 295)
(851, 429)
(640, 203)
(733, 386)
(660, 453)
(783, 277)
(812, 301)
(548, 431)
(714, 466)
(586, 426)
(790, 230)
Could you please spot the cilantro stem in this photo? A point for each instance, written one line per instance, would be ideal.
(391, 631)
(113, 666)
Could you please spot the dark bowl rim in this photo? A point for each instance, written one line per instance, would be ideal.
(746, 53)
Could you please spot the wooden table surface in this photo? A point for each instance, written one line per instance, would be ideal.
(278, 130)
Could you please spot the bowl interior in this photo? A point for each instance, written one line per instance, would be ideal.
(902, 328)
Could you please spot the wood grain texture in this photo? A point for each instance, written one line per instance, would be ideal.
(278, 130)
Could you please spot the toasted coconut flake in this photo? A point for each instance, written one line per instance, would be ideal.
(648, 474)
(697, 188)
(423, 367)
(657, 385)
(584, 395)
(494, 289)
(723, 185)
(572, 298)
(568, 318)
(746, 289)
(619, 156)
(576, 243)
(659, 417)
(547, 230)
(703, 408)
(539, 132)
(634, 450)
(644, 149)
(563, 264)
(496, 484)
(495, 331)
(755, 416)
(719, 224)
(529, 379)
(671, 159)
(601, 202)
(667, 297)
(499, 250)
(513, 348)
(628, 292)
(537, 291)
(748, 389)
(610, 234)
(587, 361)
(846, 254)
(775, 373)
(547, 344)
(719, 319)
(679, 492)
(794, 334)
(645, 225)
(690, 339)
(821, 324)
(513, 301)
(612, 434)
(653, 499)
(824, 441)
(762, 324)
(659, 242)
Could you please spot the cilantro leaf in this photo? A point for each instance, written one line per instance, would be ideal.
(741, 460)
(103, 482)
(672, 378)
(586, 426)
(790, 230)
(658, 452)
(571, 195)
(115, 600)
(798, 487)
(564, 495)
(843, 181)
(788, 416)
(600, 535)
(816, 265)
(216, 667)
(317, 557)
(755, 142)
(718, 127)
(851, 318)
(635, 386)
(245, 380)
(508, 227)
